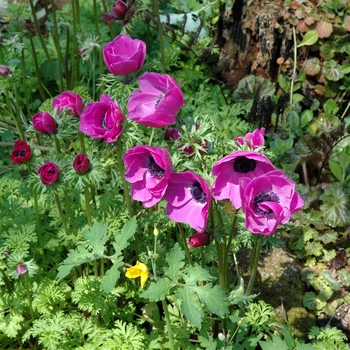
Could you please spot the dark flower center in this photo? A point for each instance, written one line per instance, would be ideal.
(103, 123)
(154, 168)
(244, 165)
(198, 193)
(265, 196)
(158, 101)
(22, 152)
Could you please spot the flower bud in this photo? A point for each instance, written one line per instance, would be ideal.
(119, 9)
(44, 123)
(155, 231)
(199, 240)
(4, 70)
(81, 164)
(73, 103)
(49, 173)
(21, 269)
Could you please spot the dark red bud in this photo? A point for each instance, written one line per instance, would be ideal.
(199, 240)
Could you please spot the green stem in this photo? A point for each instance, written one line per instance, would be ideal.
(82, 142)
(26, 282)
(182, 233)
(58, 204)
(87, 205)
(38, 228)
(160, 32)
(151, 138)
(227, 249)
(254, 268)
(168, 324)
(57, 144)
(14, 117)
(24, 79)
(294, 68)
(18, 113)
(125, 184)
(111, 30)
(7, 282)
(40, 36)
(37, 70)
(57, 45)
(70, 212)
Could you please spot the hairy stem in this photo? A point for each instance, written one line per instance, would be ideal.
(254, 267)
(160, 32)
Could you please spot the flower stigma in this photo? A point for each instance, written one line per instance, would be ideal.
(265, 196)
(244, 165)
(198, 193)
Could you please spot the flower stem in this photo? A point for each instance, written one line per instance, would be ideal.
(227, 249)
(168, 324)
(160, 32)
(38, 228)
(70, 212)
(87, 205)
(26, 282)
(188, 255)
(254, 267)
(58, 204)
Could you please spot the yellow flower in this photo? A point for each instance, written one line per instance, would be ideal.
(139, 270)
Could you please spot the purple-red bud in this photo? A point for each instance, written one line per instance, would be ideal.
(199, 240)
(81, 164)
(4, 70)
(21, 269)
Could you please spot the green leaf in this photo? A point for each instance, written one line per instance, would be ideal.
(111, 277)
(275, 344)
(332, 70)
(63, 271)
(311, 301)
(293, 120)
(335, 169)
(250, 87)
(190, 306)
(342, 44)
(327, 51)
(197, 273)
(96, 236)
(297, 98)
(122, 238)
(208, 344)
(309, 38)
(344, 276)
(213, 297)
(335, 207)
(157, 291)
(306, 117)
(175, 261)
(327, 237)
(331, 107)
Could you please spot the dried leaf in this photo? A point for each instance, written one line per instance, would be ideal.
(324, 29)
(302, 27)
(312, 66)
(309, 20)
(294, 5)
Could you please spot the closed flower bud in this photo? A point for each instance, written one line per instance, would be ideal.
(21, 269)
(199, 240)
(4, 70)
(81, 164)
(119, 9)
(155, 231)
(49, 173)
(45, 123)
(21, 152)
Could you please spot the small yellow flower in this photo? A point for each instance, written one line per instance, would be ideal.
(139, 270)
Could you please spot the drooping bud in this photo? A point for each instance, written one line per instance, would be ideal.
(21, 269)
(4, 70)
(199, 240)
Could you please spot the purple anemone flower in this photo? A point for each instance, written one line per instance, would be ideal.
(102, 120)
(230, 169)
(253, 139)
(268, 201)
(148, 171)
(188, 197)
(158, 101)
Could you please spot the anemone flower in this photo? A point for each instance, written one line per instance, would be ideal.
(230, 169)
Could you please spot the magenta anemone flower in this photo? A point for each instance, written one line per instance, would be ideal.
(188, 197)
(230, 169)
(21, 152)
(124, 55)
(253, 139)
(268, 201)
(158, 101)
(102, 120)
(70, 101)
(148, 170)
(81, 164)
